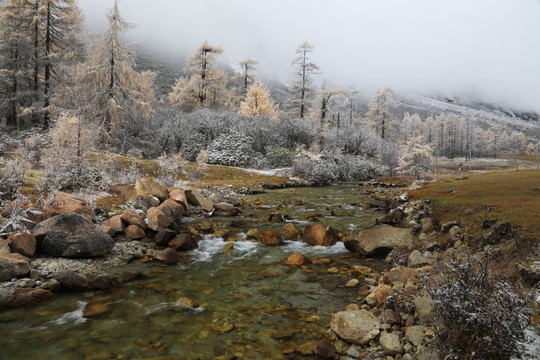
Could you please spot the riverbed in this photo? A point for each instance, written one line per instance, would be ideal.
(242, 304)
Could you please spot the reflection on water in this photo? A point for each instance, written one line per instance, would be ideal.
(250, 306)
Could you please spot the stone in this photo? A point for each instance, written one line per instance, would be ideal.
(319, 234)
(324, 350)
(252, 233)
(4, 247)
(183, 242)
(108, 230)
(156, 219)
(270, 237)
(163, 237)
(290, 232)
(383, 292)
(424, 309)
(105, 282)
(115, 223)
(415, 335)
(223, 206)
(305, 349)
(454, 231)
(64, 203)
(447, 226)
(417, 259)
(379, 240)
(179, 196)
(427, 224)
(134, 232)
(152, 187)
(352, 307)
(22, 243)
(390, 317)
(194, 197)
(400, 274)
(13, 266)
(26, 283)
(10, 298)
(391, 343)
(295, 260)
(71, 235)
(357, 326)
(169, 256)
(53, 285)
(352, 283)
(187, 302)
(172, 210)
(132, 217)
(143, 202)
(35, 274)
(96, 310)
(71, 280)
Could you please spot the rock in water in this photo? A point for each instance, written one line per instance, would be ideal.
(183, 242)
(290, 232)
(10, 298)
(169, 256)
(71, 235)
(71, 280)
(13, 266)
(319, 234)
(270, 237)
(356, 326)
(296, 260)
(379, 240)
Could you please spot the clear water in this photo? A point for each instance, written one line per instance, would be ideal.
(251, 306)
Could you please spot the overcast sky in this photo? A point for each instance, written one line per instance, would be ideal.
(489, 48)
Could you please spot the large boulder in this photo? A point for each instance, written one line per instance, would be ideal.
(114, 224)
(355, 326)
(10, 298)
(194, 197)
(168, 256)
(132, 217)
(183, 242)
(157, 220)
(319, 234)
(270, 237)
(143, 202)
(400, 274)
(13, 266)
(22, 243)
(134, 232)
(172, 210)
(179, 196)
(152, 187)
(379, 240)
(71, 235)
(64, 203)
(4, 247)
(290, 232)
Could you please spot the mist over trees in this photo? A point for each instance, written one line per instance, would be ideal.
(56, 80)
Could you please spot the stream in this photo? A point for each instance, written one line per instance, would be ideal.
(250, 306)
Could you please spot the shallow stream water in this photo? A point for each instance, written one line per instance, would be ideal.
(251, 306)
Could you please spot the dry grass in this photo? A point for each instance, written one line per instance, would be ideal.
(505, 195)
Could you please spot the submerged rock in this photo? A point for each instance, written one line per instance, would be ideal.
(169, 256)
(183, 242)
(290, 232)
(71, 235)
(71, 280)
(10, 298)
(319, 234)
(270, 237)
(296, 260)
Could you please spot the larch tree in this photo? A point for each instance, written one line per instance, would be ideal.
(204, 84)
(416, 158)
(326, 101)
(302, 89)
(126, 96)
(378, 116)
(246, 76)
(258, 103)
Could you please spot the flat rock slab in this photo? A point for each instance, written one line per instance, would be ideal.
(355, 326)
(10, 298)
(379, 240)
(71, 235)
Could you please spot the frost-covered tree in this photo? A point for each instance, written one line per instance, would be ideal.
(327, 105)
(126, 96)
(245, 75)
(39, 39)
(301, 89)
(205, 83)
(416, 158)
(379, 116)
(258, 103)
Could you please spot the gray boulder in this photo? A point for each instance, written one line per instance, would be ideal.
(71, 235)
(355, 326)
(379, 240)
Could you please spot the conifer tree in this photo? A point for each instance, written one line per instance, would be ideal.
(378, 116)
(302, 88)
(258, 103)
(126, 96)
(204, 83)
(246, 77)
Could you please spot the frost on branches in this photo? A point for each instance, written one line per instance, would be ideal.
(416, 159)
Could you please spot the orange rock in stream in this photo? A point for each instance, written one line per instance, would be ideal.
(296, 260)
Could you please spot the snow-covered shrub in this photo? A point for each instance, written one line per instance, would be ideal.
(475, 314)
(193, 145)
(230, 150)
(202, 158)
(16, 214)
(170, 169)
(280, 157)
(356, 168)
(11, 176)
